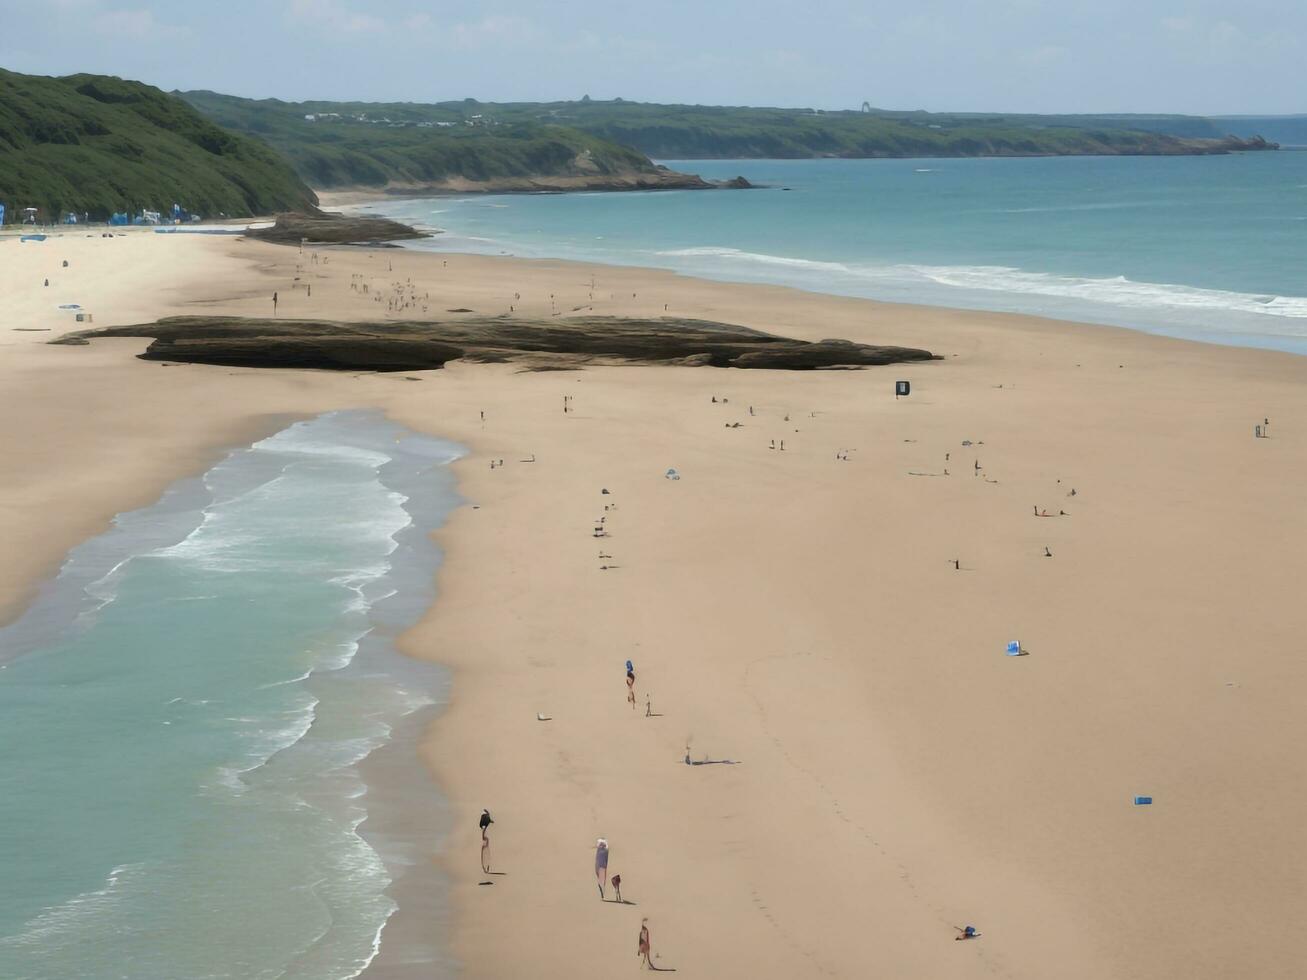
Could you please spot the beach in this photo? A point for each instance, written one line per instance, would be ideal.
(791, 611)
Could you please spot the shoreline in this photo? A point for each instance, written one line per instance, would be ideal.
(1280, 343)
(1031, 244)
(542, 829)
(343, 773)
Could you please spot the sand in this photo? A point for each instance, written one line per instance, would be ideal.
(899, 776)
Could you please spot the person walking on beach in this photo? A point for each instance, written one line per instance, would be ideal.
(642, 949)
(274, 304)
(630, 684)
(486, 821)
(601, 864)
(617, 889)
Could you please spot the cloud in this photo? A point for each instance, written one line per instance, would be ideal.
(494, 31)
(137, 25)
(335, 17)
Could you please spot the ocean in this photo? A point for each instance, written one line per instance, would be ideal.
(1208, 248)
(188, 710)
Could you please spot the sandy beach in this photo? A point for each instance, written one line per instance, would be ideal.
(795, 612)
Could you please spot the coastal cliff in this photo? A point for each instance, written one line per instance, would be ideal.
(389, 150)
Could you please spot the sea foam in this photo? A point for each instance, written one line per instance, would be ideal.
(1208, 249)
(1114, 290)
(191, 703)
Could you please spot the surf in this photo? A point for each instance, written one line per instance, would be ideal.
(1191, 247)
(191, 704)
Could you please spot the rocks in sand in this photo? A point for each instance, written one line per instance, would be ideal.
(410, 345)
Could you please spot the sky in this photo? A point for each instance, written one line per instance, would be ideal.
(1203, 56)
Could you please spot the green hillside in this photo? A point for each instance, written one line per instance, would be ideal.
(345, 144)
(366, 142)
(98, 144)
(726, 132)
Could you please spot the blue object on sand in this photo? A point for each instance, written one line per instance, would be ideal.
(1143, 800)
(1014, 648)
(630, 668)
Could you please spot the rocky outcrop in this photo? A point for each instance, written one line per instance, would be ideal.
(333, 229)
(537, 345)
(1236, 144)
(1217, 147)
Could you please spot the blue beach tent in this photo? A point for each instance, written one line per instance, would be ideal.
(2, 214)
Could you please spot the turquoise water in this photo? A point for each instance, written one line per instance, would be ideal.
(1211, 248)
(185, 709)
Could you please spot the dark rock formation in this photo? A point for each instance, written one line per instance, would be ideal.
(326, 228)
(736, 184)
(1235, 144)
(538, 345)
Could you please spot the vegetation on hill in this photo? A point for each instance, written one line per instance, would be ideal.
(342, 144)
(698, 132)
(1290, 130)
(97, 144)
(362, 143)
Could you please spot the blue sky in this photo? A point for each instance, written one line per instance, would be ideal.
(1200, 56)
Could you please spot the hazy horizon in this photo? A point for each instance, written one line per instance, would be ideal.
(1010, 56)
